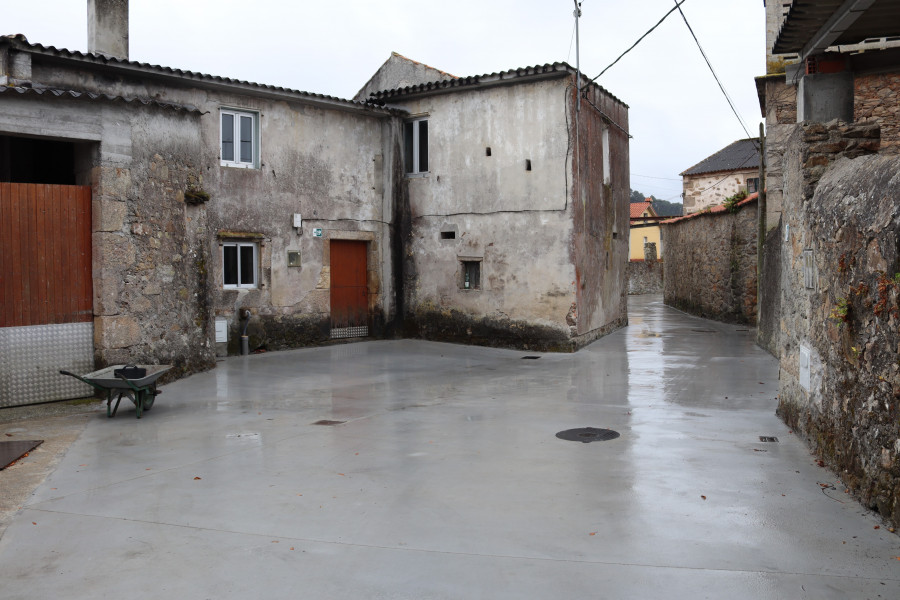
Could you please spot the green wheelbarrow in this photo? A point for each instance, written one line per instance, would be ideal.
(136, 382)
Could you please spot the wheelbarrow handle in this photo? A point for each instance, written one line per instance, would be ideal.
(83, 380)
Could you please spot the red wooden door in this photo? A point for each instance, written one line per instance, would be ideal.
(349, 289)
(45, 254)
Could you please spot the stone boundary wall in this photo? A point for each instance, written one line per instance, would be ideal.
(644, 277)
(877, 100)
(710, 267)
(840, 316)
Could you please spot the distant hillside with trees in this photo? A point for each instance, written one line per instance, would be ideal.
(663, 208)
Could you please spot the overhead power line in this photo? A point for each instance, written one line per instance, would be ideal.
(649, 31)
(651, 177)
(713, 71)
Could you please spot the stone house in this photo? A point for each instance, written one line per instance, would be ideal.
(179, 210)
(516, 209)
(829, 285)
(733, 169)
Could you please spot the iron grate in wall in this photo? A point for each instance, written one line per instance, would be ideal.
(329, 423)
(767, 438)
(349, 332)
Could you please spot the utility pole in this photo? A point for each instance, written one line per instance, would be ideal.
(577, 58)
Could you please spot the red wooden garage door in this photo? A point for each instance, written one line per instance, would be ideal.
(45, 254)
(349, 290)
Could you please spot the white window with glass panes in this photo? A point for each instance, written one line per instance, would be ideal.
(239, 133)
(239, 265)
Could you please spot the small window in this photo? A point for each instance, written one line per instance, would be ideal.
(240, 139)
(606, 165)
(448, 235)
(752, 185)
(239, 260)
(471, 275)
(415, 146)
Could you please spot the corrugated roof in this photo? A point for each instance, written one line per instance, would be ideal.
(715, 210)
(742, 154)
(57, 93)
(193, 76)
(511, 76)
(861, 22)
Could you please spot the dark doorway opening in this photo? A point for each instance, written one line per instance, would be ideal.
(34, 160)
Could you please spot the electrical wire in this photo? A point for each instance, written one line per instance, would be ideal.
(651, 177)
(713, 71)
(605, 116)
(571, 43)
(677, 5)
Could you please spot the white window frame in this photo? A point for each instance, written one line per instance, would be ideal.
(415, 169)
(239, 285)
(236, 133)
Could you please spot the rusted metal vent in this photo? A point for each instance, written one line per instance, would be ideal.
(587, 435)
(767, 438)
(327, 422)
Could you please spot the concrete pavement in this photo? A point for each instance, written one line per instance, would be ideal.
(445, 480)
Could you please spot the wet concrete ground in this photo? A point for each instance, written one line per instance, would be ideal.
(446, 480)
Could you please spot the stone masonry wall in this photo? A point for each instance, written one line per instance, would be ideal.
(645, 277)
(877, 99)
(839, 307)
(710, 266)
(151, 283)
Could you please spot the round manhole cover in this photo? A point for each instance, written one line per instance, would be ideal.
(587, 435)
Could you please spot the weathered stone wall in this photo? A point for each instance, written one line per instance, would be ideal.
(877, 99)
(600, 193)
(781, 120)
(152, 299)
(512, 212)
(158, 261)
(769, 301)
(710, 266)
(839, 307)
(645, 277)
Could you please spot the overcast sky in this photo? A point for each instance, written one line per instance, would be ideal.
(678, 115)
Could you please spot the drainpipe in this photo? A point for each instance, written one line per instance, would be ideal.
(245, 339)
